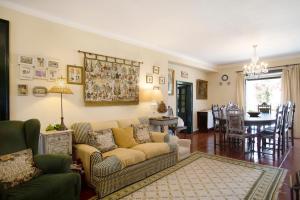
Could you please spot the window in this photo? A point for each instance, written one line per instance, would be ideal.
(266, 88)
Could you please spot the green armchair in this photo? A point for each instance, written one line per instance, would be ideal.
(56, 182)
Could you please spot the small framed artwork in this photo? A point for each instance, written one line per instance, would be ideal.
(155, 70)
(25, 72)
(52, 74)
(201, 89)
(40, 61)
(29, 60)
(184, 74)
(53, 63)
(74, 75)
(149, 79)
(22, 90)
(39, 91)
(162, 80)
(40, 73)
(171, 80)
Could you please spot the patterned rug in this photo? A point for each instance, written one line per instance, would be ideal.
(205, 176)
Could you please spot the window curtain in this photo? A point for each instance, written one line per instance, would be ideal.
(240, 90)
(291, 92)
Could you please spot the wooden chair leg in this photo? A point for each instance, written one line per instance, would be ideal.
(292, 136)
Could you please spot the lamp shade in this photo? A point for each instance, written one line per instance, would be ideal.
(60, 87)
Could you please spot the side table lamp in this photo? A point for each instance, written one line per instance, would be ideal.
(61, 88)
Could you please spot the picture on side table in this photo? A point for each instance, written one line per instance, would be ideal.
(22, 90)
(74, 75)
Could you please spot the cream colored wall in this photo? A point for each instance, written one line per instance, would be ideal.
(33, 36)
(222, 94)
(193, 75)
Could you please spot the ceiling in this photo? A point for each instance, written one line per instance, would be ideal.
(213, 31)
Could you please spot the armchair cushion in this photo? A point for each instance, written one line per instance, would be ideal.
(53, 163)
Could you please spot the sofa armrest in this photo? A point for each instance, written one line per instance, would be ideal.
(53, 163)
(89, 156)
(159, 137)
(184, 142)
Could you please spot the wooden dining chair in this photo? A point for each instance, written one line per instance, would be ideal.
(291, 123)
(215, 113)
(264, 108)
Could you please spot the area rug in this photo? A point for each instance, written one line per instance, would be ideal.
(205, 176)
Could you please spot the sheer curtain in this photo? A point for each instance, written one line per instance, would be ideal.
(240, 90)
(291, 91)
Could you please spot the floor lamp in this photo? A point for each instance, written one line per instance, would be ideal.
(61, 88)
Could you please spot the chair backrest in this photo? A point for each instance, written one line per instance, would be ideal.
(264, 108)
(235, 121)
(286, 117)
(215, 110)
(279, 118)
(292, 114)
(19, 135)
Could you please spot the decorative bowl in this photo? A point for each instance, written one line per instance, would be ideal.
(253, 114)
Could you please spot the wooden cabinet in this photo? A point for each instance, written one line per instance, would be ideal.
(57, 142)
(205, 120)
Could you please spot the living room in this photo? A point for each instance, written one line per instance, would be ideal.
(171, 59)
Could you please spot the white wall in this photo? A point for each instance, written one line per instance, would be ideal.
(33, 36)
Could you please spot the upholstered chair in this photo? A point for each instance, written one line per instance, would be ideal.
(55, 181)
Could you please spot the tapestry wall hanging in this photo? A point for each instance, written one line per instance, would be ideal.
(110, 80)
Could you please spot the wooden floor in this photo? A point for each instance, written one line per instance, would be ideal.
(205, 142)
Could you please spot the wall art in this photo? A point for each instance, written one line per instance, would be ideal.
(39, 91)
(52, 74)
(201, 89)
(74, 75)
(155, 70)
(108, 82)
(184, 74)
(52, 63)
(40, 61)
(162, 80)
(171, 81)
(40, 73)
(25, 72)
(149, 79)
(22, 90)
(29, 60)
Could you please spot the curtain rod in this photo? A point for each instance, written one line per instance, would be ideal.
(278, 67)
(89, 53)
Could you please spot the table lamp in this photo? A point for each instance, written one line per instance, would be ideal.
(61, 88)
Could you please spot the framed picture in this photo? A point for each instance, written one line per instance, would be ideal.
(162, 80)
(155, 70)
(22, 90)
(201, 89)
(40, 62)
(39, 91)
(52, 63)
(171, 81)
(74, 75)
(52, 74)
(25, 72)
(156, 88)
(149, 79)
(40, 73)
(184, 74)
(29, 60)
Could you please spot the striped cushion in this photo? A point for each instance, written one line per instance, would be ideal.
(80, 134)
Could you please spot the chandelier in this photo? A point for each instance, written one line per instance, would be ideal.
(255, 68)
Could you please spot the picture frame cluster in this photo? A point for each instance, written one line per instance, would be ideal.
(38, 67)
(156, 71)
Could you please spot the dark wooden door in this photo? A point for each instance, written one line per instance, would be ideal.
(185, 103)
(4, 70)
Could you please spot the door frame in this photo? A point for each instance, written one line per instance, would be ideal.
(191, 100)
(4, 69)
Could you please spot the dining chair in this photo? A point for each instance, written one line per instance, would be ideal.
(285, 127)
(236, 131)
(291, 123)
(215, 113)
(264, 108)
(272, 133)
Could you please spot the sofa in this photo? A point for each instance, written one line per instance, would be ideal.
(55, 181)
(110, 171)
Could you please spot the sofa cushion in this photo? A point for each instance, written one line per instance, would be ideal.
(124, 137)
(80, 132)
(159, 136)
(124, 123)
(103, 140)
(127, 156)
(17, 168)
(104, 125)
(152, 149)
(141, 133)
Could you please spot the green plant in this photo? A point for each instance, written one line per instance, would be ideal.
(53, 127)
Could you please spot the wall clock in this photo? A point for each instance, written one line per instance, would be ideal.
(224, 77)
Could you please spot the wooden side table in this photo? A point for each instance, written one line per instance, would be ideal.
(164, 121)
(57, 142)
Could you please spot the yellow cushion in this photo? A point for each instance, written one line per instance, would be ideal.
(152, 149)
(124, 123)
(124, 137)
(127, 156)
(157, 136)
